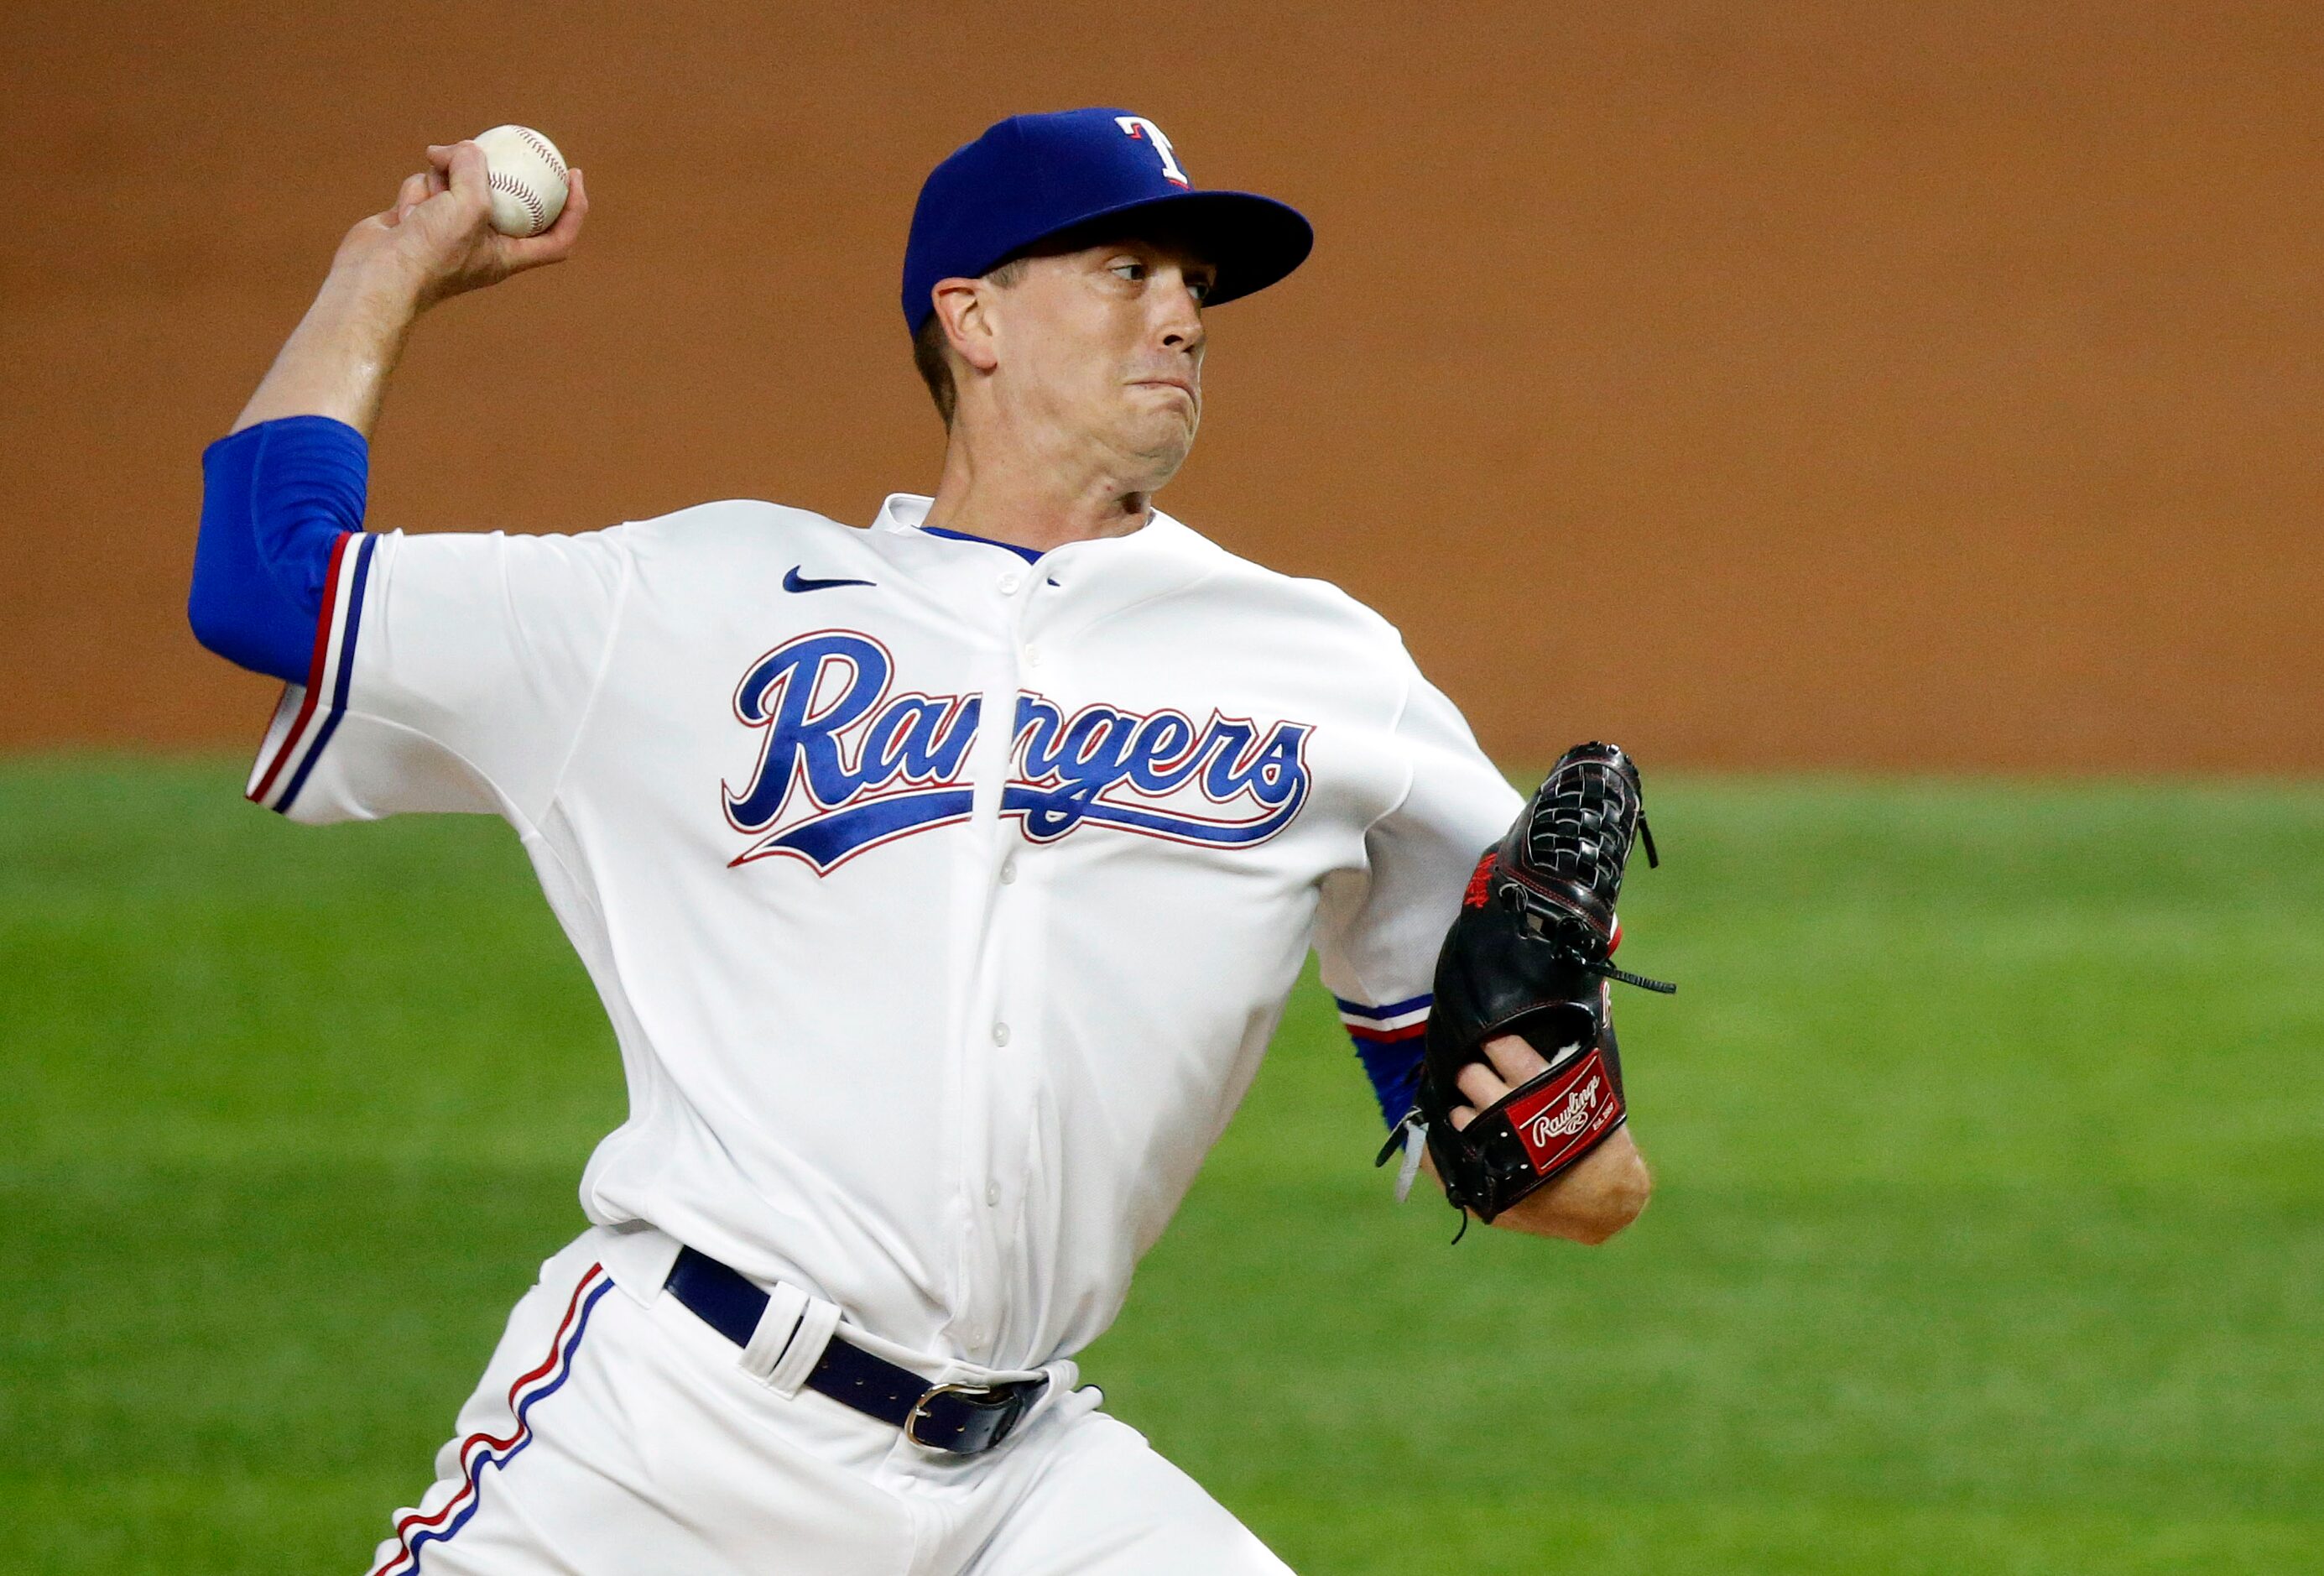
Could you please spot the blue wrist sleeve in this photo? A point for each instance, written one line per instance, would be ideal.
(276, 498)
(1394, 1074)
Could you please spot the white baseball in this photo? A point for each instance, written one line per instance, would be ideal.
(527, 178)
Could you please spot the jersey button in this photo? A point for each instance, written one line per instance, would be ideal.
(1032, 656)
(1000, 1033)
(993, 1195)
(1009, 584)
(1009, 870)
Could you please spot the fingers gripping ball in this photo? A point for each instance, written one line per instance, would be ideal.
(1531, 954)
(528, 178)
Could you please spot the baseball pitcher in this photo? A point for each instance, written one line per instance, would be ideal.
(943, 880)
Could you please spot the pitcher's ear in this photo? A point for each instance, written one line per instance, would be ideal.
(961, 306)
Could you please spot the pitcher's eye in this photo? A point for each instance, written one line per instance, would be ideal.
(1130, 270)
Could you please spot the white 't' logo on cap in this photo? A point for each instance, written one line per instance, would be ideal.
(1137, 126)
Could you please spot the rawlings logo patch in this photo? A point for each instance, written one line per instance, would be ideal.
(1569, 1118)
(844, 766)
(1566, 1114)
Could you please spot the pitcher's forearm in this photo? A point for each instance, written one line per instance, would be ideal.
(436, 240)
(336, 362)
(277, 504)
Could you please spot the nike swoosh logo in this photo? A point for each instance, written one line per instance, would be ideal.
(795, 581)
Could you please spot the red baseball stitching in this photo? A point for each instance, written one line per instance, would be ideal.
(540, 145)
(523, 194)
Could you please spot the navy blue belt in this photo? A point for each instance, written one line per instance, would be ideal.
(966, 1420)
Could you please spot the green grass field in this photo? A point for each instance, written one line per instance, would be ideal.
(1989, 1237)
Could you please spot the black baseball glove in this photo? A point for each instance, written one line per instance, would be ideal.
(1531, 954)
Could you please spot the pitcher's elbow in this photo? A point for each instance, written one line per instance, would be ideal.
(224, 629)
(212, 624)
(238, 623)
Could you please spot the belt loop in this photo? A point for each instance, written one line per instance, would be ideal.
(817, 1320)
(773, 1334)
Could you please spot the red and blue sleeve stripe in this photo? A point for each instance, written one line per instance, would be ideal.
(1389, 1039)
(295, 743)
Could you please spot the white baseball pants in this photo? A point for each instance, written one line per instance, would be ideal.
(616, 1434)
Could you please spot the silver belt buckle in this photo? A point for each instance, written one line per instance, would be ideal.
(921, 1409)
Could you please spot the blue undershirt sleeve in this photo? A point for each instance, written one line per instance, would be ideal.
(1380, 928)
(276, 498)
(1394, 1071)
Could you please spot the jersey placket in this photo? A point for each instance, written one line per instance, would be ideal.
(999, 1032)
(1026, 1248)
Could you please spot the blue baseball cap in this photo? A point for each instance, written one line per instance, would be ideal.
(1033, 178)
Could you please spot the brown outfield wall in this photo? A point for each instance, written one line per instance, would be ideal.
(1930, 387)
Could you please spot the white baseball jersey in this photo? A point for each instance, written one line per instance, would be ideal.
(943, 903)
